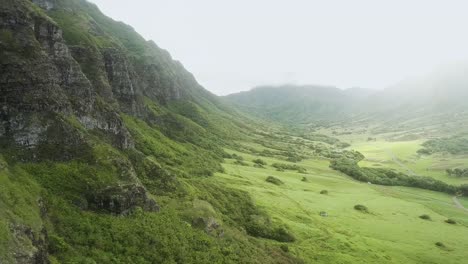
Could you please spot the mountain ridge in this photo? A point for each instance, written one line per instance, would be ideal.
(441, 92)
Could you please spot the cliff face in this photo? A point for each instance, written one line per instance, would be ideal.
(105, 142)
(41, 80)
(64, 89)
(92, 75)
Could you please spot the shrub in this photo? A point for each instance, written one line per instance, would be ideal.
(283, 167)
(361, 208)
(258, 166)
(323, 192)
(440, 244)
(384, 176)
(227, 155)
(451, 221)
(304, 179)
(274, 180)
(424, 152)
(283, 235)
(240, 162)
(237, 157)
(425, 217)
(285, 248)
(259, 162)
(262, 226)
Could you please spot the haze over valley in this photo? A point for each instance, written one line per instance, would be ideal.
(282, 132)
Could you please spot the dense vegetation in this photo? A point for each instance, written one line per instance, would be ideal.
(384, 176)
(457, 172)
(453, 145)
(284, 166)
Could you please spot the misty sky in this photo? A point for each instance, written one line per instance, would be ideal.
(235, 45)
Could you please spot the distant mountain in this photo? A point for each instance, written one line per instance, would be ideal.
(446, 88)
(299, 104)
(436, 97)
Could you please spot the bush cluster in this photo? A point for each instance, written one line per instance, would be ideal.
(389, 177)
(453, 145)
(361, 208)
(425, 217)
(457, 172)
(274, 180)
(283, 167)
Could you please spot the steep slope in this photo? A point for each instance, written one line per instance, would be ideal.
(107, 145)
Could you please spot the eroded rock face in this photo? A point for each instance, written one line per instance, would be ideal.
(43, 76)
(40, 79)
(32, 246)
(122, 79)
(122, 199)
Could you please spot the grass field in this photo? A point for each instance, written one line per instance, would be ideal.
(385, 150)
(402, 156)
(391, 232)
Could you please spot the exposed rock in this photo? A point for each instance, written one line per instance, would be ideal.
(122, 79)
(45, 4)
(122, 199)
(45, 80)
(31, 246)
(42, 75)
(112, 123)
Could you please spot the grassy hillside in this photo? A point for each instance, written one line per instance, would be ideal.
(108, 149)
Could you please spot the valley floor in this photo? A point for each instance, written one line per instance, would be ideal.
(392, 231)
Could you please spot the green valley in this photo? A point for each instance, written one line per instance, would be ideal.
(112, 152)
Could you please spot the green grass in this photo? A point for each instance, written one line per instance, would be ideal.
(391, 233)
(382, 153)
(19, 196)
(178, 147)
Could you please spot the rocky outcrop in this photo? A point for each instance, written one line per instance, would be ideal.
(46, 76)
(40, 79)
(32, 246)
(121, 200)
(122, 78)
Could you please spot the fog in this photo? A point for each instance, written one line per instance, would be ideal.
(235, 45)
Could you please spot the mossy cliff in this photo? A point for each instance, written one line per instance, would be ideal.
(107, 148)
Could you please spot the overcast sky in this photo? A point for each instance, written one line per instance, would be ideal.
(235, 45)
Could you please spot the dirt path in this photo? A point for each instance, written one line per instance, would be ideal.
(401, 164)
(458, 204)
